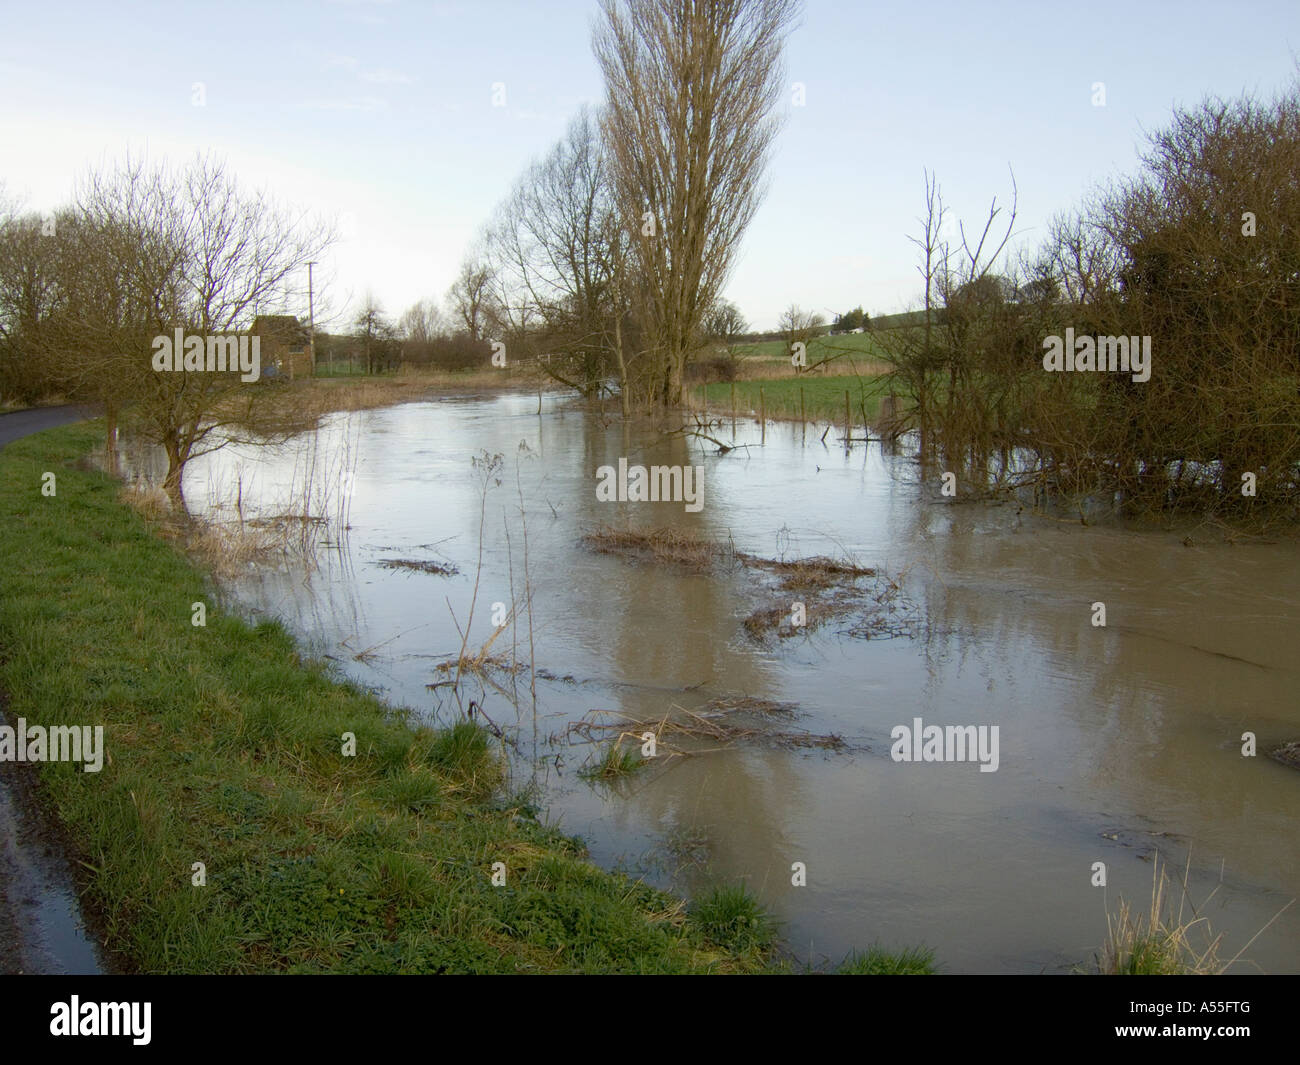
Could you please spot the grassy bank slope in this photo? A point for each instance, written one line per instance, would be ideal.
(223, 747)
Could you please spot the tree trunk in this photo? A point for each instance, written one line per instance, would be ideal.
(672, 391)
(110, 442)
(622, 366)
(172, 484)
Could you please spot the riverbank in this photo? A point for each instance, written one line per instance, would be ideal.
(231, 828)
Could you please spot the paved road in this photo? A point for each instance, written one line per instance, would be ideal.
(41, 925)
(22, 422)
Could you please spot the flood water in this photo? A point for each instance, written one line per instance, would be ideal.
(1117, 743)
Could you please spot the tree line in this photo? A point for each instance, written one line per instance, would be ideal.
(142, 252)
(609, 256)
(610, 253)
(1199, 251)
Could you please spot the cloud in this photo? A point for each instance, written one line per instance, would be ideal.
(334, 61)
(347, 103)
(384, 76)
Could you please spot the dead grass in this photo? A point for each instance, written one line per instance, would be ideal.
(229, 550)
(778, 620)
(1167, 940)
(439, 569)
(717, 725)
(483, 665)
(827, 588)
(677, 547)
(1158, 943)
(224, 548)
(808, 574)
(364, 393)
(1288, 754)
(748, 704)
(148, 500)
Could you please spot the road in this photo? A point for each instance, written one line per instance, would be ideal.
(41, 925)
(24, 422)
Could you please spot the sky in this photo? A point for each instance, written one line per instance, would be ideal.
(380, 115)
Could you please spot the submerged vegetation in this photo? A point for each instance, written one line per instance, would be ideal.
(617, 761)
(717, 725)
(873, 605)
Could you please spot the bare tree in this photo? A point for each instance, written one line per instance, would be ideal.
(421, 322)
(420, 325)
(691, 90)
(799, 326)
(470, 296)
(376, 335)
(203, 256)
(724, 322)
(943, 361)
(553, 263)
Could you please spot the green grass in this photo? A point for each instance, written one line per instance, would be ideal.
(733, 918)
(914, 961)
(224, 747)
(1150, 956)
(855, 346)
(616, 762)
(341, 369)
(823, 397)
(1167, 940)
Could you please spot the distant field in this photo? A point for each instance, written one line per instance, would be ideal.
(823, 397)
(341, 368)
(855, 346)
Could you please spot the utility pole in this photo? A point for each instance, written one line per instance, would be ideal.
(311, 318)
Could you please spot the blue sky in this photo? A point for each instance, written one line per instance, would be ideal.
(380, 113)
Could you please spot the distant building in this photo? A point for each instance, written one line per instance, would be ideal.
(285, 345)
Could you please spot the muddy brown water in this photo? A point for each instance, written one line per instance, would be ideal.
(1118, 744)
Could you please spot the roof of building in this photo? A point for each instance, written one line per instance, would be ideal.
(281, 326)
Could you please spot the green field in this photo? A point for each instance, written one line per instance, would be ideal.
(850, 347)
(823, 397)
